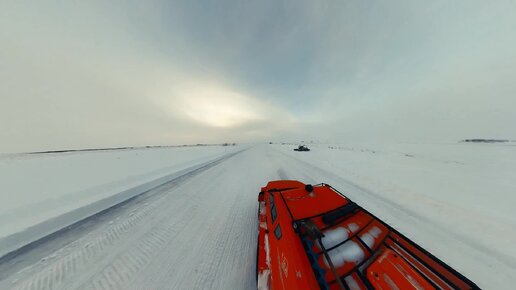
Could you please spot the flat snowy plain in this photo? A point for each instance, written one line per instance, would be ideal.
(185, 218)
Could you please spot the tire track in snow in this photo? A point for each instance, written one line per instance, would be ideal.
(139, 255)
(170, 264)
(282, 174)
(53, 272)
(232, 254)
(218, 249)
(41, 245)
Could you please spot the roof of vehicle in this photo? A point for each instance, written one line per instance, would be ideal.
(304, 204)
(333, 241)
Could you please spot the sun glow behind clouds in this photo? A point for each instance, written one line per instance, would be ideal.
(215, 105)
(212, 112)
(219, 107)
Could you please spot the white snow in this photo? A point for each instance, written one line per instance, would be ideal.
(333, 237)
(352, 283)
(370, 236)
(353, 227)
(40, 187)
(349, 252)
(263, 275)
(263, 280)
(455, 200)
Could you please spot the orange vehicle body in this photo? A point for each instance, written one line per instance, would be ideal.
(313, 237)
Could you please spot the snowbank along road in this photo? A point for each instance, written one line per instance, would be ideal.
(199, 231)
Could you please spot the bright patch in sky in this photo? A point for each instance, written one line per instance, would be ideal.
(219, 107)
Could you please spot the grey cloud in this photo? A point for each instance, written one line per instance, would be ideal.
(97, 73)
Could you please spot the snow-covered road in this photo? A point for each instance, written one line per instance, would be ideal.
(199, 232)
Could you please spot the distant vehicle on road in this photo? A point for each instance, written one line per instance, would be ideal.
(302, 148)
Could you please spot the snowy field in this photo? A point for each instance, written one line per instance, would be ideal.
(198, 231)
(42, 193)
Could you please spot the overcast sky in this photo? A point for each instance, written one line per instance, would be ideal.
(79, 74)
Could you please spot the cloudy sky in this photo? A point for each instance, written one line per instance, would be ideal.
(77, 74)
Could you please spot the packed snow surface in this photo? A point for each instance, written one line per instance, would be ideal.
(199, 230)
(42, 193)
